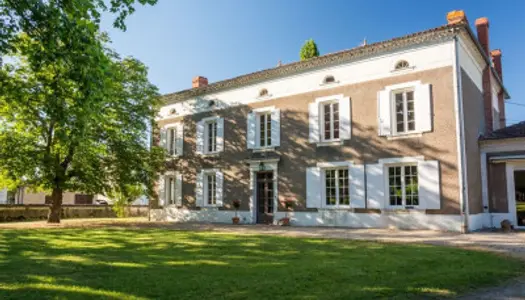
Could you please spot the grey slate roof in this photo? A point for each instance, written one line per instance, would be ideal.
(513, 131)
(427, 36)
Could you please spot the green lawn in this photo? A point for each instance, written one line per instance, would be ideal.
(121, 263)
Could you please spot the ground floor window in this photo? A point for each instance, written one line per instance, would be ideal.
(170, 190)
(211, 188)
(403, 185)
(336, 187)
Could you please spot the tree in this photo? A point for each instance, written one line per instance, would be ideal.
(309, 50)
(73, 114)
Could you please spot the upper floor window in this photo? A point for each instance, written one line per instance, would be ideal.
(264, 128)
(329, 79)
(403, 186)
(405, 119)
(337, 190)
(263, 93)
(405, 109)
(210, 135)
(172, 138)
(402, 64)
(330, 113)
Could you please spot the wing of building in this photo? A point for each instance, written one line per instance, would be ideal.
(382, 135)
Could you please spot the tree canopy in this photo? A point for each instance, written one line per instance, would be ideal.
(309, 50)
(73, 114)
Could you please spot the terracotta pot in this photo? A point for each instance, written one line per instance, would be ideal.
(285, 221)
(236, 220)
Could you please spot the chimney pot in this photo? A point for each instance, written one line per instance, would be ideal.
(496, 62)
(456, 16)
(482, 26)
(199, 81)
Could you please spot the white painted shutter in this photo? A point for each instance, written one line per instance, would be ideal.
(163, 138)
(313, 187)
(200, 137)
(429, 186)
(357, 186)
(178, 189)
(3, 196)
(219, 181)
(220, 135)
(199, 190)
(375, 186)
(276, 128)
(313, 120)
(162, 190)
(423, 108)
(179, 141)
(345, 119)
(384, 112)
(250, 128)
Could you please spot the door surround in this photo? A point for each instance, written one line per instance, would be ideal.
(255, 167)
(511, 167)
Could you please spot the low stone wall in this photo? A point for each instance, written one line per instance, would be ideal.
(13, 213)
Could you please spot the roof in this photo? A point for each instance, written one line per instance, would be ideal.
(513, 131)
(427, 36)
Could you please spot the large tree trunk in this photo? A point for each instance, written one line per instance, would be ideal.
(56, 206)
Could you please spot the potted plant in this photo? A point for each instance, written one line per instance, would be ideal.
(288, 204)
(236, 205)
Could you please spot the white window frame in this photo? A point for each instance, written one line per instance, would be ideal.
(403, 186)
(170, 192)
(321, 102)
(325, 166)
(207, 133)
(205, 200)
(257, 113)
(172, 140)
(393, 112)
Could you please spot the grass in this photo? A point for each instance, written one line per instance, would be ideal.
(119, 263)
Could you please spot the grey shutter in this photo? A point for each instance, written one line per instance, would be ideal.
(219, 191)
(345, 119)
(200, 137)
(375, 186)
(276, 128)
(357, 186)
(162, 190)
(178, 189)
(423, 108)
(199, 190)
(220, 135)
(429, 184)
(163, 138)
(384, 113)
(313, 120)
(179, 141)
(313, 187)
(250, 131)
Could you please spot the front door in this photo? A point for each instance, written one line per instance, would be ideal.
(265, 197)
(519, 186)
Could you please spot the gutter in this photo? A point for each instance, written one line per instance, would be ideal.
(460, 133)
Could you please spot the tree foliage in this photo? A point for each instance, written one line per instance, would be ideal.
(309, 50)
(73, 114)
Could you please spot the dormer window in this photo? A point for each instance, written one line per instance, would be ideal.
(173, 111)
(263, 93)
(402, 64)
(211, 103)
(329, 79)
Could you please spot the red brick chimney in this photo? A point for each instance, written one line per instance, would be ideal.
(199, 81)
(496, 62)
(456, 16)
(482, 26)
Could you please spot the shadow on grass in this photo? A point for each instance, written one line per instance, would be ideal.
(161, 264)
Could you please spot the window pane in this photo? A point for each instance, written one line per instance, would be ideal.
(327, 121)
(171, 139)
(410, 111)
(210, 137)
(344, 192)
(211, 189)
(262, 132)
(330, 187)
(335, 107)
(268, 129)
(410, 95)
(411, 185)
(172, 190)
(395, 188)
(214, 136)
(400, 114)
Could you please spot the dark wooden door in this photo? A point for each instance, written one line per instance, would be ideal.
(265, 197)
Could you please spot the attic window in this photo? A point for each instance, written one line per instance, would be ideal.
(263, 93)
(211, 103)
(329, 79)
(173, 111)
(402, 64)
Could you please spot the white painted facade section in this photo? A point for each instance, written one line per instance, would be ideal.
(3, 196)
(372, 68)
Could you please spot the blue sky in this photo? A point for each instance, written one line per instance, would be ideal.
(180, 39)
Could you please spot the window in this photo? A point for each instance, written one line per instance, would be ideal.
(329, 79)
(263, 93)
(402, 64)
(265, 130)
(404, 114)
(170, 189)
(336, 187)
(330, 121)
(172, 137)
(211, 136)
(403, 186)
(211, 188)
